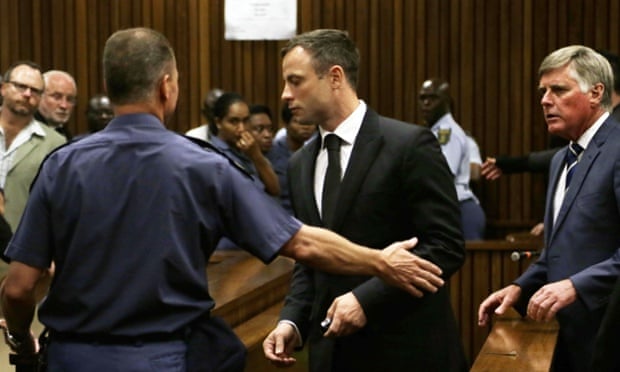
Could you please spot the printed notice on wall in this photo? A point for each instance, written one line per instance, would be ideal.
(260, 19)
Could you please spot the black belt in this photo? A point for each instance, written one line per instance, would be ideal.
(107, 339)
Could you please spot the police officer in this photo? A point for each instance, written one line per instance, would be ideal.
(435, 104)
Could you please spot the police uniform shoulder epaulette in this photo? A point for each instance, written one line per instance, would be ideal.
(206, 145)
(443, 135)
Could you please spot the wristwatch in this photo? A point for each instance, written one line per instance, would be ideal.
(11, 340)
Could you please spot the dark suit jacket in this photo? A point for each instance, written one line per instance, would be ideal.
(583, 244)
(397, 185)
(605, 358)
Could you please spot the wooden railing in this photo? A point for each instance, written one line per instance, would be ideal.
(517, 344)
(243, 287)
(249, 294)
(487, 268)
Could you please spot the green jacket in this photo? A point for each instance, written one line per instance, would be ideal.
(26, 162)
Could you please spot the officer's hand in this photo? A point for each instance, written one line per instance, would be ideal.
(408, 271)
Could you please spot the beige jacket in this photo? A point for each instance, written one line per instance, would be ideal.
(26, 162)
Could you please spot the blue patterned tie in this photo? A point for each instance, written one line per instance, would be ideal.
(572, 158)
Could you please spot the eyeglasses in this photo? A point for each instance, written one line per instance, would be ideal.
(261, 128)
(22, 88)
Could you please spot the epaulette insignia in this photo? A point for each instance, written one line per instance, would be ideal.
(443, 135)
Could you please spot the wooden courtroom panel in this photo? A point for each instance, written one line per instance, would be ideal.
(487, 268)
(249, 295)
(517, 344)
(488, 50)
(242, 286)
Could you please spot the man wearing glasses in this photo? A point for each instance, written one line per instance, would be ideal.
(24, 142)
(57, 101)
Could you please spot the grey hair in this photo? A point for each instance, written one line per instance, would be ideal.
(586, 66)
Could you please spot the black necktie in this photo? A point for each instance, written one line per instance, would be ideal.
(572, 158)
(332, 178)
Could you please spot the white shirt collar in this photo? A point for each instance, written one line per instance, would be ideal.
(348, 129)
(33, 128)
(587, 136)
(444, 119)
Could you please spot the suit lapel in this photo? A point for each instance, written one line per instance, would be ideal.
(581, 172)
(367, 144)
(24, 150)
(308, 211)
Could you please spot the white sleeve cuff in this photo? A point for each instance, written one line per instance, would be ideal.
(284, 321)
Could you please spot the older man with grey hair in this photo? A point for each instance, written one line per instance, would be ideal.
(58, 101)
(575, 273)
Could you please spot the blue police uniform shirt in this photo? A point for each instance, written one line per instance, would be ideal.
(240, 158)
(278, 156)
(455, 148)
(129, 215)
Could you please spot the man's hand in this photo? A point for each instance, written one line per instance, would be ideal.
(408, 271)
(552, 297)
(538, 229)
(346, 314)
(280, 344)
(498, 302)
(490, 170)
(2, 203)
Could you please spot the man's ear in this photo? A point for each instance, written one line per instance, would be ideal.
(165, 87)
(596, 93)
(336, 76)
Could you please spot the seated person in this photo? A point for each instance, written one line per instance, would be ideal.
(262, 127)
(295, 136)
(231, 115)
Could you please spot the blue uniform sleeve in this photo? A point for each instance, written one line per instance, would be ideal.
(251, 218)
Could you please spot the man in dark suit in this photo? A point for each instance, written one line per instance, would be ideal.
(395, 183)
(606, 347)
(574, 276)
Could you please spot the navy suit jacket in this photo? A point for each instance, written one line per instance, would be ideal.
(397, 185)
(583, 244)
